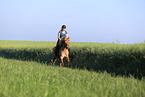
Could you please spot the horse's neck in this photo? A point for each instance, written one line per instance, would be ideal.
(63, 46)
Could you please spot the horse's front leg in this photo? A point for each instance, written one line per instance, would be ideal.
(61, 63)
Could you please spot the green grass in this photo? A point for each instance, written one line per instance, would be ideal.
(96, 70)
(26, 44)
(121, 59)
(32, 79)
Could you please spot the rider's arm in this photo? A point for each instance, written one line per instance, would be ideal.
(66, 35)
(59, 36)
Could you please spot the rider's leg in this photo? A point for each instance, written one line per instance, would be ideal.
(57, 43)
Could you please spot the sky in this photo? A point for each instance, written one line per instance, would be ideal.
(102, 21)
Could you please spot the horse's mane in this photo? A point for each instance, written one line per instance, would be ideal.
(62, 41)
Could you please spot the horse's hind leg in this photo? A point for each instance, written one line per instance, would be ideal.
(68, 61)
(54, 60)
(54, 56)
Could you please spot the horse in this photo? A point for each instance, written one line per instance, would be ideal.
(62, 52)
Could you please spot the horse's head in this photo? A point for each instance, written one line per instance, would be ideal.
(65, 41)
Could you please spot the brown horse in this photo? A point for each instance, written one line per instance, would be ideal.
(63, 51)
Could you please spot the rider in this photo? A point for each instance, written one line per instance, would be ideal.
(62, 33)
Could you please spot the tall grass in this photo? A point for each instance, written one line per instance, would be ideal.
(32, 79)
(121, 59)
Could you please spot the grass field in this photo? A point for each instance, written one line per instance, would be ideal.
(22, 79)
(97, 70)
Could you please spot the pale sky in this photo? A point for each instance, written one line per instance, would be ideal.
(102, 21)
